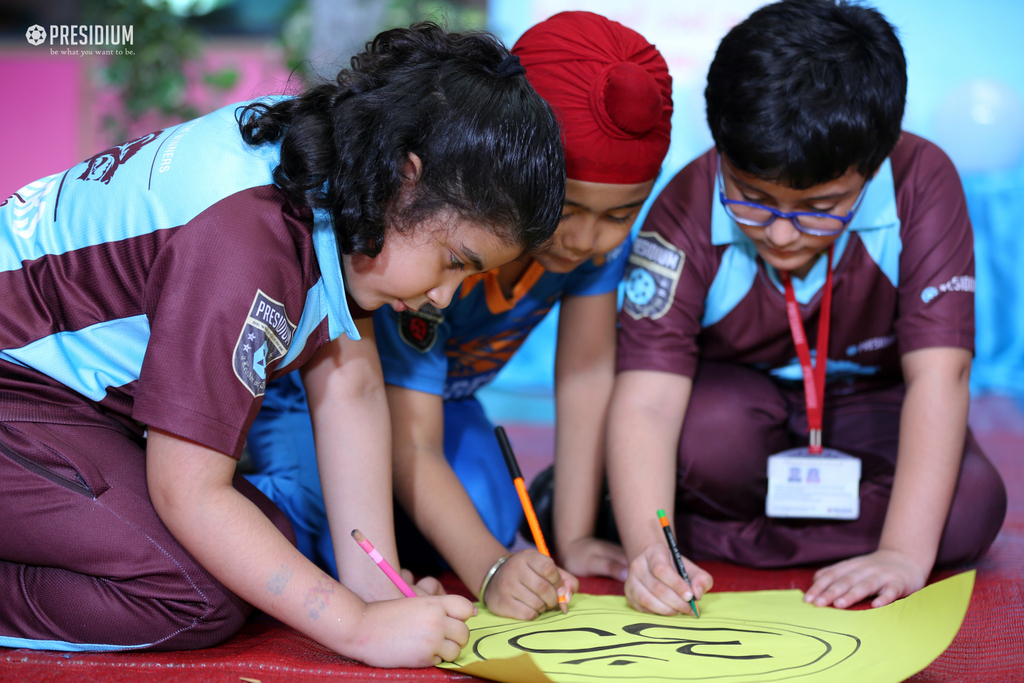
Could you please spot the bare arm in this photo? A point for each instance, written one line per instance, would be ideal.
(644, 424)
(584, 375)
(436, 500)
(933, 424)
(191, 490)
(429, 490)
(351, 430)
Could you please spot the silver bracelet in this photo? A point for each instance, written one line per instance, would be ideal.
(490, 575)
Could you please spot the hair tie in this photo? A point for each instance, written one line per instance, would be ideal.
(510, 67)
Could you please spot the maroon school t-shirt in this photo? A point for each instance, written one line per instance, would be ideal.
(904, 279)
(198, 284)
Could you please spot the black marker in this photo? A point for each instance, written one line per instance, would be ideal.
(671, 538)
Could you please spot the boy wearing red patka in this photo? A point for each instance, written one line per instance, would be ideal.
(813, 224)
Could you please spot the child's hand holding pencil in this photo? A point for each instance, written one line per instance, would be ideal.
(654, 585)
(528, 584)
(525, 580)
(661, 581)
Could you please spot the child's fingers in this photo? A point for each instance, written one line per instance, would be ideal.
(668, 576)
(428, 585)
(545, 590)
(569, 583)
(607, 566)
(890, 594)
(642, 598)
(569, 580)
(667, 585)
(543, 578)
(844, 584)
(456, 631)
(527, 607)
(545, 567)
(458, 607)
(700, 580)
(448, 650)
(822, 580)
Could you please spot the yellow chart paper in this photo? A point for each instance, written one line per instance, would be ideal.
(740, 638)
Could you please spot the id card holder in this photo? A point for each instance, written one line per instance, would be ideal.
(806, 486)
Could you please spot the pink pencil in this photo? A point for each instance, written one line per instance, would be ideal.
(382, 563)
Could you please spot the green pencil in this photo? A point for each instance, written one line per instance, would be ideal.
(671, 538)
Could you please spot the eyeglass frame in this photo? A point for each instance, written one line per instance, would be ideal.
(793, 216)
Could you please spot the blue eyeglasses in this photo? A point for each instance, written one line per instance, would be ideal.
(807, 222)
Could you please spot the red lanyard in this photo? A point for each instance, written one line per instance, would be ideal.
(814, 377)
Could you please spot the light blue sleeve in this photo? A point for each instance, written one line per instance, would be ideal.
(404, 365)
(590, 278)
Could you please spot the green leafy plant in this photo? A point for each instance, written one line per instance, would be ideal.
(456, 15)
(154, 78)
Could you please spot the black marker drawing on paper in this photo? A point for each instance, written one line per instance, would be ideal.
(648, 647)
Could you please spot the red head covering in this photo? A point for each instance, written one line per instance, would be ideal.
(611, 91)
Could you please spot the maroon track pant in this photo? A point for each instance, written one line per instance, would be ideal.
(737, 417)
(85, 562)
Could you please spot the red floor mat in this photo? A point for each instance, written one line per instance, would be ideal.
(989, 646)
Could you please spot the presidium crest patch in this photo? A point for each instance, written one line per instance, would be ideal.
(651, 276)
(418, 329)
(266, 336)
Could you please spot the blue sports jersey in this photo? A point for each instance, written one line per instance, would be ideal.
(450, 353)
(456, 351)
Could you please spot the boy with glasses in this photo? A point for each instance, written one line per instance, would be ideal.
(814, 224)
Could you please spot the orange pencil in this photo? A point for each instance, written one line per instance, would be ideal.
(524, 498)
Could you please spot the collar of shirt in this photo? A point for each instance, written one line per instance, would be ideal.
(334, 304)
(877, 212)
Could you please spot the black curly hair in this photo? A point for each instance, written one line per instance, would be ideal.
(490, 146)
(804, 89)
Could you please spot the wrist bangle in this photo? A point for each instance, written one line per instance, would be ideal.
(490, 575)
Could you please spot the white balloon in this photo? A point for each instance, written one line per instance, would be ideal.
(980, 125)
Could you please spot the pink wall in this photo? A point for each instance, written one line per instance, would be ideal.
(40, 130)
(52, 108)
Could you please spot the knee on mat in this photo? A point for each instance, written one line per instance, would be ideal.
(732, 479)
(221, 618)
(720, 447)
(976, 515)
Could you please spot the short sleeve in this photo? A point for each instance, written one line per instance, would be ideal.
(222, 301)
(936, 281)
(669, 271)
(411, 347)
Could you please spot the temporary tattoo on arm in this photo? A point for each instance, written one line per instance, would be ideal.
(279, 580)
(318, 598)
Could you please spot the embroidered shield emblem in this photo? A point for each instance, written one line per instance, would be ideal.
(418, 329)
(651, 276)
(265, 337)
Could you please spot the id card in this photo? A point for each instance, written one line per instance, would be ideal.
(825, 486)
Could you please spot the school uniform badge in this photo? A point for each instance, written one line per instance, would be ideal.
(265, 337)
(418, 329)
(652, 273)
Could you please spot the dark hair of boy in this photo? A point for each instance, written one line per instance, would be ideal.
(490, 145)
(804, 89)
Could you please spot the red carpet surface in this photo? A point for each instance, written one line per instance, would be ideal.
(989, 646)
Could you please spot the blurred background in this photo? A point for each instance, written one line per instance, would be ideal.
(184, 58)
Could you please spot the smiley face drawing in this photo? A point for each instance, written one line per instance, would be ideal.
(600, 644)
